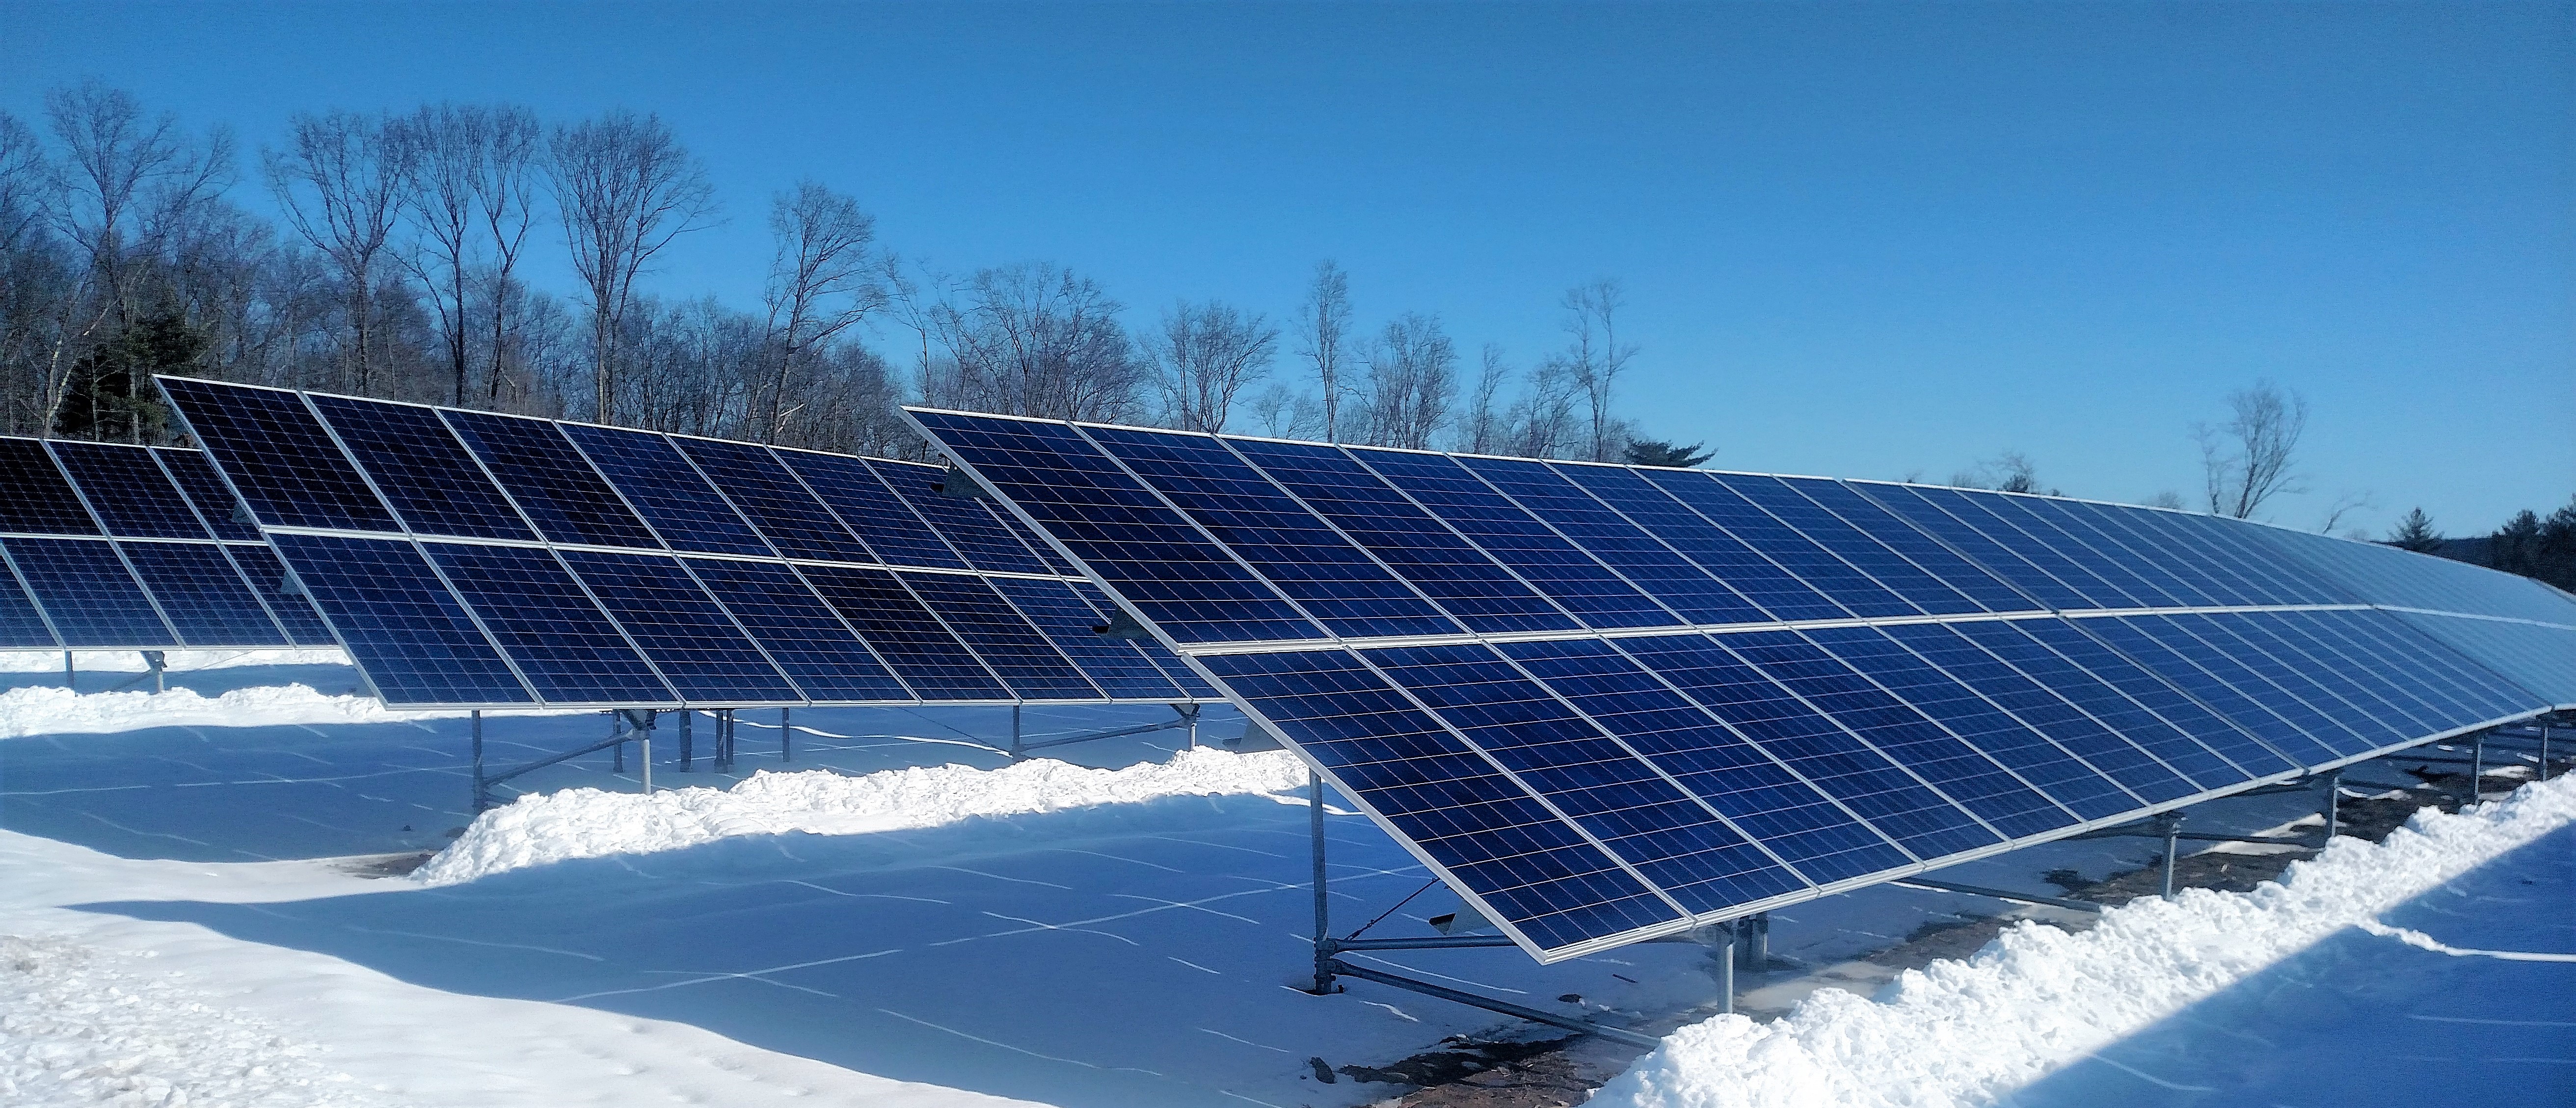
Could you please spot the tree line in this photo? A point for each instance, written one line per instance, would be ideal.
(398, 265)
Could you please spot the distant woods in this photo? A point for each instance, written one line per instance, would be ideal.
(2536, 546)
(397, 266)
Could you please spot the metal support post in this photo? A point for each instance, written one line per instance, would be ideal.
(1017, 751)
(644, 755)
(687, 737)
(617, 750)
(723, 761)
(2477, 764)
(1728, 934)
(1324, 963)
(482, 794)
(157, 662)
(1753, 942)
(2334, 805)
(69, 677)
(786, 736)
(1190, 712)
(2170, 823)
(2544, 748)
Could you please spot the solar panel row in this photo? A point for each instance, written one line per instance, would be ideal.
(1614, 702)
(108, 546)
(475, 559)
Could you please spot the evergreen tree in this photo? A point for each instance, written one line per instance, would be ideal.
(110, 394)
(2416, 533)
(1652, 452)
(2515, 547)
(2556, 548)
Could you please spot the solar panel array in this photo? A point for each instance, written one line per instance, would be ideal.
(470, 559)
(1608, 703)
(106, 546)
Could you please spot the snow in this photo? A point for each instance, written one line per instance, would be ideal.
(591, 823)
(40, 710)
(79, 1025)
(176, 661)
(2038, 999)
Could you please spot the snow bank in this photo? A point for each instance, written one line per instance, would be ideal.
(589, 823)
(75, 1028)
(50, 710)
(1969, 1033)
(130, 661)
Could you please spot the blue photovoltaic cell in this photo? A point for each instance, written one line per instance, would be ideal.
(2165, 539)
(911, 640)
(2251, 758)
(280, 460)
(1454, 574)
(206, 492)
(2329, 716)
(201, 594)
(1909, 503)
(2489, 694)
(127, 490)
(966, 523)
(2289, 580)
(1990, 514)
(1640, 557)
(1812, 745)
(1676, 843)
(539, 616)
(1783, 500)
(666, 490)
(432, 483)
(1045, 554)
(690, 640)
(2101, 700)
(1775, 590)
(810, 643)
(2279, 722)
(2101, 528)
(260, 566)
(1911, 545)
(1800, 555)
(20, 624)
(2358, 678)
(870, 509)
(1154, 651)
(775, 502)
(550, 481)
(1115, 665)
(997, 633)
(1799, 823)
(1150, 553)
(1333, 580)
(1488, 834)
(2043, 765)
(1972, 780)
(2536, 658)
(85, 587)
(34, 497)
(402, 626)
(2049, 523)
(2046, 710)
(1575, 580)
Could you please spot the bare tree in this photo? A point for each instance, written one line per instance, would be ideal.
(1323, 328)
(116, 166)
(1413, 379)
(447, 146)
(1284, 413)
(1595, 356)
(2253, 457)
(505, 186)
(1481, 430)
(338, 181)
(820, 283)
(1206, 355)
(1036, 339)
(23, 175)
(1543, 421)
(626, 189)
(2345, 505)
(2166, 499)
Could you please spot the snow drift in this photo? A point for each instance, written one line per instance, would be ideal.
(2035, 999)
(590, 823)
(178, 661)
(49, 710)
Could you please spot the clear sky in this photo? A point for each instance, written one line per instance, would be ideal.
(1860, 240)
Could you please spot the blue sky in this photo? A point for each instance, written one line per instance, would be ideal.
(1860, 240)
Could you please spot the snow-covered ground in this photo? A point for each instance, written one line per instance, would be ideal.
(923, 926)
(2210, 997)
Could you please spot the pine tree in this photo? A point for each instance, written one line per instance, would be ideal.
(1653, 452)
(2515, 547)
(2416, 533)
(2555, 552)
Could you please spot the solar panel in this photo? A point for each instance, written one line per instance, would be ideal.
(472, 559)
(111, 551)
(1613, 702)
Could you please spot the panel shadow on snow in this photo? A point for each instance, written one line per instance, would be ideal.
(2361, 1019)
(1128, 954)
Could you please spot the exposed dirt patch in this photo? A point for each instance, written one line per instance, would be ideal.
(385, 865)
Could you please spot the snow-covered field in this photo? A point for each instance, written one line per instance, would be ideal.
(900, 917)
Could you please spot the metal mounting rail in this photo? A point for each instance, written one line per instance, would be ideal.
(1570, 1023)
(1998, 894)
